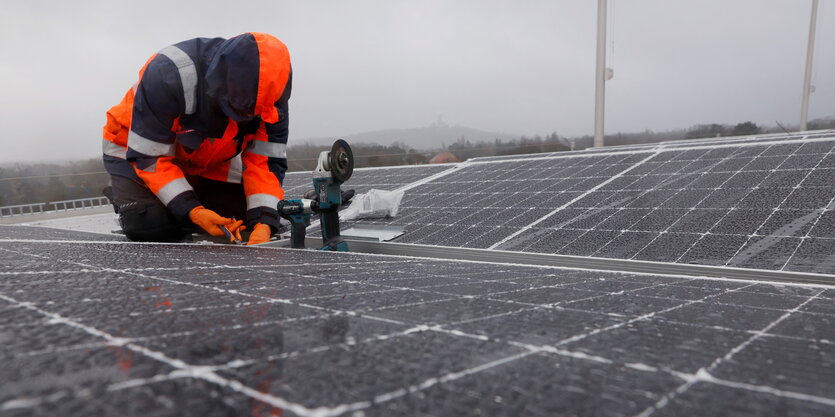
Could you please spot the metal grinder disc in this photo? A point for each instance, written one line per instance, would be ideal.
(341, 161)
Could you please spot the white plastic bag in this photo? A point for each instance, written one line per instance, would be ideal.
(375, 204)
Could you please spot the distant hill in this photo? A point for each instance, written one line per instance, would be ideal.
(430, 137)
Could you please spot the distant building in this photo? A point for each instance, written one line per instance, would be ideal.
(444, 158)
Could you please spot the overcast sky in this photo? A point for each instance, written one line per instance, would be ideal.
(521, 67)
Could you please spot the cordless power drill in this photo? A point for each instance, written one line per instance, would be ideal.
(333, 168)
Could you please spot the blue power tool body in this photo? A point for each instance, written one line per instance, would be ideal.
(334, 168)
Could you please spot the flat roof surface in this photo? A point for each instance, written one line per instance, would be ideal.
(91, 325)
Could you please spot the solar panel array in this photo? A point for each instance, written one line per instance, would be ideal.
(740, 140)
(480, 204)
(115, 328)
(763, 204)
(765, 207)
(681, 143)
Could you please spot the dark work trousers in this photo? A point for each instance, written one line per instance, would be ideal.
(144, 218)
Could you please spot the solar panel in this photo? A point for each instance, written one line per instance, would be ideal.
(763, 205)
(519, 156)
(762, 138)
(583, 152)
(674, 144)
(751, 207)
(104, 327)
(465, 207)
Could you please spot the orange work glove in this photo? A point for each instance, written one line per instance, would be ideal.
(260, 234)
(235, 228)
(209, 221)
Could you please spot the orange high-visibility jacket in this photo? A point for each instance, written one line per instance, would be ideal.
(215, 108)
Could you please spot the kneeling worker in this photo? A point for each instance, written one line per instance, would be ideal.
(201, 139)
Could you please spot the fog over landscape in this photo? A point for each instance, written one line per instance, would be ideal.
(511, 68)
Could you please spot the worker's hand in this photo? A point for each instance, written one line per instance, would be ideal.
(209, 221)
(235, 228)
(260, 234)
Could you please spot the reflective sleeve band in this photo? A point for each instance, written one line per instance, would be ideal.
(173, 189)
(149, 147)
(261, 200)
(235, 174)
(188, 74)
(111, 149)
(268, 149)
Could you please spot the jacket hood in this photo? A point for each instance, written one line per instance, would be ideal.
(247, 75)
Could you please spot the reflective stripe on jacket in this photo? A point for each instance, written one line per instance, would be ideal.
(214, 108)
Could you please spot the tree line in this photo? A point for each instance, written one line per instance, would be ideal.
(26, 183)
(46, 182)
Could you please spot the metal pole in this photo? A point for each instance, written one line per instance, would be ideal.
(600, 74)
(807, 79)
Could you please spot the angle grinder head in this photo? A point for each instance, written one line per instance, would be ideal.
(341, 161)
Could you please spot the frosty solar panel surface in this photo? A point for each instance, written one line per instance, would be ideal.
(479, 205)
(104, 327)
(763, 205)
